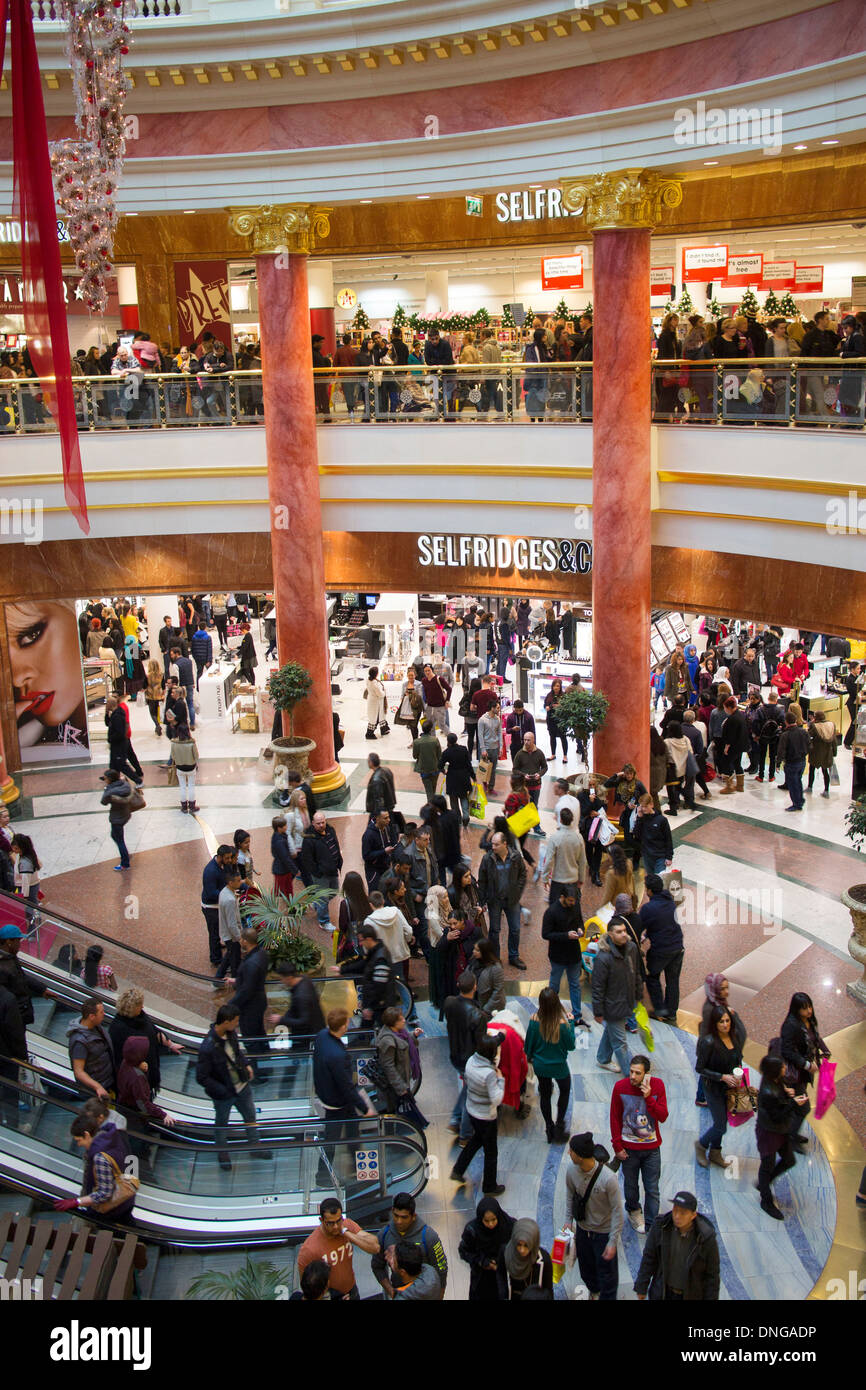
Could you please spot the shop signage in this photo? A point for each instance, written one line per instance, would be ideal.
(202, 297)
(10, 231)
(661, 280)
(745, 270)
(505, 553)
(346, 299)
(809, 278)
(704, 262)
(12, 293)
(778, 275)
(562, 272)
(531, 205)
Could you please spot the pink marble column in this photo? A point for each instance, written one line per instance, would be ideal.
(293, 483)
(622, 549)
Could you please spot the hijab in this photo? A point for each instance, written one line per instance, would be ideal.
(490, 1242)
(712, 986)
(524, 1229)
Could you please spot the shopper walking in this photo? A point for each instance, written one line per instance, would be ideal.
(184, 755)
(680, 1262)
(464, 1023)
(778, 1112)
(793, 750)
(549, 1039)
(638, 1105)
(117, 796)
(802, 1048)
(224, 1071)
(480, 1246)
(501, 883)
(822, 749)
(485, 1089)
(523, 1266)
(377, 703)
(658, 921)
(562, 929)
(321, 859)
(596, 1217)
(427, 750)
(456, 763)
(616, 989)
(489, 737)
(250, 993)
(719, 1062)
(334, 1085)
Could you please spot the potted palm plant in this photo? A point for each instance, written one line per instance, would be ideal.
(582, 713)
(277, 920)
(255, 1281)
(854, 898)
(286, 689)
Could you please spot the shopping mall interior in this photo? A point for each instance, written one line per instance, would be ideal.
(621, 247)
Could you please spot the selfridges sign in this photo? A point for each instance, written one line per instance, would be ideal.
(528, 555)
(531, 205)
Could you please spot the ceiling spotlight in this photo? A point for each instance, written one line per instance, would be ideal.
(189, 212)
(708, 162)
(423, 196)
(829, 142)
(366, 200)
(801, 147)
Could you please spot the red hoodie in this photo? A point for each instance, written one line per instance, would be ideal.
(630, 1112)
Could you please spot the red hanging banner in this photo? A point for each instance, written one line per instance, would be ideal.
(33, 207)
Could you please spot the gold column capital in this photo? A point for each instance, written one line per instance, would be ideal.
(282, 227)
(618, 201)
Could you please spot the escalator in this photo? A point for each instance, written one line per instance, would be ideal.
(185, 1198)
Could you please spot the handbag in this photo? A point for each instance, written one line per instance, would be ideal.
(136, 800)
(522, 821)
(477, 802)
(172, 780)
(125, 1188)
(826, 1090)
(742, 1101)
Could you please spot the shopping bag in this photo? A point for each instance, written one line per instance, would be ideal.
(478, 802)
(826, 1091)
(484, 768)
(440, 784)
(742, 1102)
(524, 819)
(641, 1018)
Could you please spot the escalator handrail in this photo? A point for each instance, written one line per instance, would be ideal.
(281, 1141)
(120, 945)
(78, 990)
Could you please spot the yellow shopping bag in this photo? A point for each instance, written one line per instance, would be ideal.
(641, 1018)
(524, 819)
(477, 802)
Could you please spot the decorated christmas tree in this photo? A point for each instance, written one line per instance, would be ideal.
(507, 317)
(588, 309)
(714, 308)
(481, 318)
(360, 320)
(399, 318)
(749, 304)
(562, 310)
(685, 304)
(771, 303)
(788, 306)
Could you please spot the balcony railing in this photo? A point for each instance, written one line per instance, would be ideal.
(144, 9)
(815, 392)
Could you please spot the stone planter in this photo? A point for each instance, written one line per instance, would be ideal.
(293, 754)
(855, 900)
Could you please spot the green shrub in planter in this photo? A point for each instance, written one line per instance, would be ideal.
(277, 920)
(287, 688)
(582, 713)
(855, 822)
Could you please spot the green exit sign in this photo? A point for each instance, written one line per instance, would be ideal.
(474, 206)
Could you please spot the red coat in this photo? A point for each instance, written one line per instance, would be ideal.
(800, 667)
(512, 1063)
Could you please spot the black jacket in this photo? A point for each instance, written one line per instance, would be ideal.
(381, 795)
(282, 859)
(800, 1047)
(653, 835)
(378, 980)
(556, 923)
(658, 918)
(374, 852)
(714, 1060)
(703, 1267)
(333, 1081)
(13, 1036)
(250, 995)
(457, 766)
(115, 723)
(735, 734)
(12, 977)
(793, 744)
(212, 1068)
(465, 1023)
(616, 981)
(304, 1015)
(819, 342)
(122, 1027)
(488, 878)
(320, 855)
(776, 1110)
(744, 673)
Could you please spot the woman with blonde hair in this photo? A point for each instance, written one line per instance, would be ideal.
(131, 1021)
(619, 878)
(154, 690)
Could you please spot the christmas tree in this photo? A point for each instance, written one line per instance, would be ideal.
(771, 304)
(562, 310)
(749, 304)
(588, 310)
(507, 317)
(360, 320)
(714, 308)
(685, 305)
(399, 318)
(788, 306)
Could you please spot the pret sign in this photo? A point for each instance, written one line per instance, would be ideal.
(704, 262)
(526, 554)
(562, 272)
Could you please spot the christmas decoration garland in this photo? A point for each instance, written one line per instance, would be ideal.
(86, 170)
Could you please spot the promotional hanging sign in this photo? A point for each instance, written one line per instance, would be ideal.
(809, 279)
(202, 295)
(47, 680)
(704, 262)
(745, 270)
(778, 275)
(562, 272)
(662, 280)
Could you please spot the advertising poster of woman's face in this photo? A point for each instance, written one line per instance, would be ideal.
(45, 661)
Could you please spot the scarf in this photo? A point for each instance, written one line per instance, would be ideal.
(490, 1241)
(414, 1055)
(526, 1230)
(712, 985)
